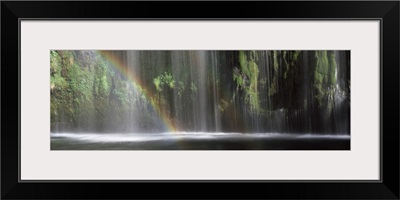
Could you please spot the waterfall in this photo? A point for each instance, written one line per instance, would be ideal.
(259, 91)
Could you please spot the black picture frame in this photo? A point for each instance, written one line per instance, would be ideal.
(386, 11)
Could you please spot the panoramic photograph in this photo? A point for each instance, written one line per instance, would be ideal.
(200, 100)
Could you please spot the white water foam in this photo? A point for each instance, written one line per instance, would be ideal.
(144, 137)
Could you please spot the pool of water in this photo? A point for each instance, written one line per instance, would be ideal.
(197, 141)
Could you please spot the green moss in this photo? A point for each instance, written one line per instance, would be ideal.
(243, 63)
(164, 79)
(322, 62)
(181, 88)
(158, 83)
(237, 77)
(123, 94)
(318, 78)
(275, 60)
(295, 55)
(73, 88)
(332, 69)
(246, 78)
(324, 74)
(193, 87)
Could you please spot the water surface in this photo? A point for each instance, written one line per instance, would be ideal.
(197, 141)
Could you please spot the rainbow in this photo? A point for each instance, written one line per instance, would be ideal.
(140, 86)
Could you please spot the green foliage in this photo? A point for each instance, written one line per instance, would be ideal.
(243, 63)
(122, 93)
(164, 79)
(54, 62)
(237, 76)
(71, 90)
(168, 87)
(324, 74)
(85, 89)
(294, 56)
(332, 69)
(275, 60)
(322, 62)
(181, 88)
(320, 74)
(193, 87)
(57, 82)
(158, 83)
(103, 79)
(246, 78)
(169, 80)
